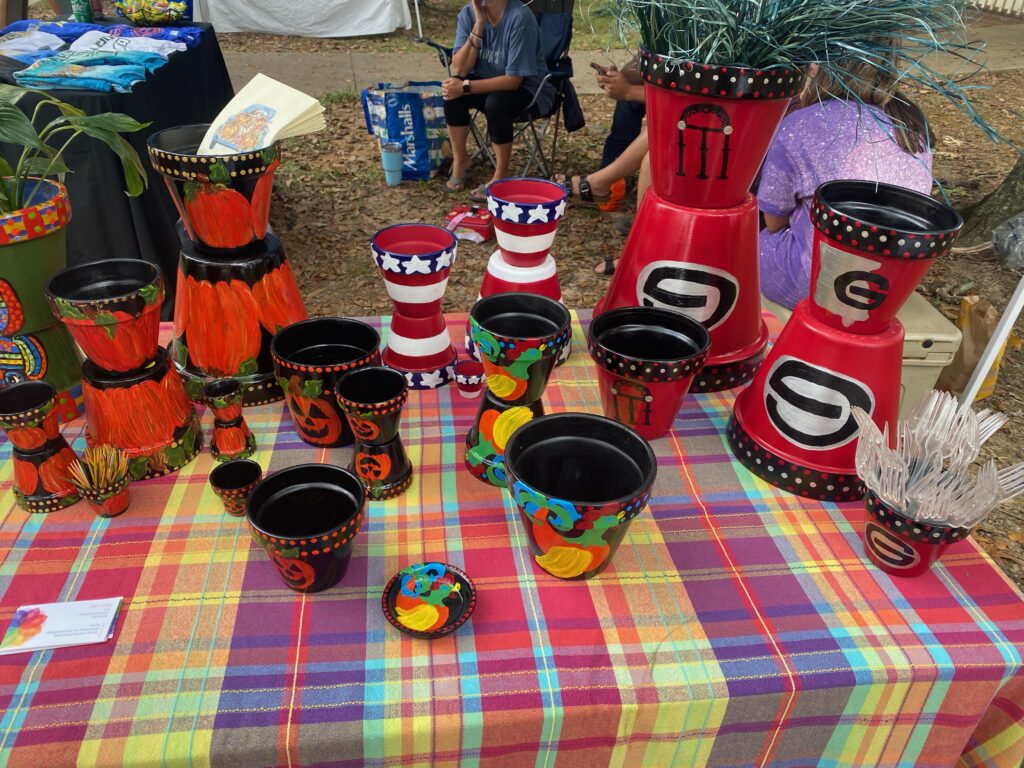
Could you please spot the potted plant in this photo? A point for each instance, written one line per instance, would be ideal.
(34, 213)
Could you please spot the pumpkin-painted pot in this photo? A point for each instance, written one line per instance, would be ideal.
(223, 200)
(309, 357)
(900, 545)
(372, 399)
(305, 517)
(146, 414)
(872, 245)
(646, 360)
(112, 309)
(110, 501)
(40, 455)
(234, 482)
(577, 480)
(227, 310)
(231, 437)
(385, 470)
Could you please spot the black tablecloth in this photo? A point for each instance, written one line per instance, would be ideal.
(192, 87)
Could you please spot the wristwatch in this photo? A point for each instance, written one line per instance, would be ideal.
(465, 87)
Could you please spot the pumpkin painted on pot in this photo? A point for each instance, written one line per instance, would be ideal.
(53, 473)
(261, 201)
(223, 326)
(278, 300)
(363, 430)
(373, 468)
(219, 216)
(296, 573)
(26, 478)
(315, 419)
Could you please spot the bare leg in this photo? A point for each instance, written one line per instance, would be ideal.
(644, 179)
(460, 157)
(502, 158)
(624, 165)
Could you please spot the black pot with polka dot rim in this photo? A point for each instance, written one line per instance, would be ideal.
(223, 199)
(646, 359)
(900, 545)
(872, 245)
(710, 125)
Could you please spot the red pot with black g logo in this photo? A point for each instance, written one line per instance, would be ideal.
(872, 245)
(902, 546)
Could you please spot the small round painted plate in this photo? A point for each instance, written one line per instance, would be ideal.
(428, 599)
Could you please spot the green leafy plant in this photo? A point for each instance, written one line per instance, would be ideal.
(47, 133)
(895, 37)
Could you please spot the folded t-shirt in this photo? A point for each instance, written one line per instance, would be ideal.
(91, 71)
(29, 41)
(101, 41)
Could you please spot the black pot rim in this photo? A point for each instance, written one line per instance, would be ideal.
(212, 389)
(564, 319)
(153, 144)
(41, 391)
(734, 81)
(650, 472)
(284, 335)
(334, 473)
(96, 376)
(877, 191)
(947, 532)
(366, 372)
(149, 274)
(220, 482)
(613, 317)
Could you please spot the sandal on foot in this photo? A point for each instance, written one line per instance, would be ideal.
(606, 268)
(479, 195)
(586, 194)
(455, 183)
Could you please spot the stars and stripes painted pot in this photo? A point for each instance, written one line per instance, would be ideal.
(414, 260)
(526, 213)
(872, 245)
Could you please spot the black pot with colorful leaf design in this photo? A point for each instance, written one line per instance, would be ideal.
(112, 309)
(224, 200)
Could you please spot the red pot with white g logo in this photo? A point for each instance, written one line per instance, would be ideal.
(872, 245)
(901, 546)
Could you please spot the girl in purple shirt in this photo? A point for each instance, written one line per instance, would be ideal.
(884, 139)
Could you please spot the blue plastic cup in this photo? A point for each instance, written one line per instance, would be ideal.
(391, 159)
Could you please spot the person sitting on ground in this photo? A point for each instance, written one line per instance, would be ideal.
(885, 138)
(498, 67)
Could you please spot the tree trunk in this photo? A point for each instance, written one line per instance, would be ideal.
(1002, 203)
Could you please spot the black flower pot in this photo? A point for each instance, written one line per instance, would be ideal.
(233, 482)
(306, 517)
(309, 358)
(578, 480)
(372, 399)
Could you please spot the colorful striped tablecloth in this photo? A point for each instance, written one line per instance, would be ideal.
(737, 625)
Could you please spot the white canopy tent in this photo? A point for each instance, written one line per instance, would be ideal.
(308, 18)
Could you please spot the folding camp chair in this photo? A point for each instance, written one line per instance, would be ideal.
(554, 18)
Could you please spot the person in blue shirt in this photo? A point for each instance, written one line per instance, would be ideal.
(498, 66)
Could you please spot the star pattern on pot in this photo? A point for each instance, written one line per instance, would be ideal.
(540, 213)
(410, 379)
(389, 263)
(492, 205)
(416, 264)
(430, 379)
(511, 212)
(560, 209)
(446, 258)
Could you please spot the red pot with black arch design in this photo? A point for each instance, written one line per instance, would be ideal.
(872, 245)
(40, 454)
(709, 126)
(646, 360)
(223, 200)
(305, 517)
(900, 545)
(112, 309)
(309, 358)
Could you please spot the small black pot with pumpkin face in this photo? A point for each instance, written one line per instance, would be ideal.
(309, 358)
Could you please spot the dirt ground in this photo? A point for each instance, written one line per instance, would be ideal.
(331, 197)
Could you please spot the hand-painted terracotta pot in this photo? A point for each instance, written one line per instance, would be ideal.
(709, 127)
(40, 454)
(415, 260)
(872, 245)
(309, 358)
(233, 482)
(470, 378)
(223, 200)
(306, 517)
(578, 480)
(231, 438)
(428, 600)
(112, 309)
(227, 310)
(146, 414)
(519, 337)
(526, 213)
(901, 546)
(646, 360)
(110, 501)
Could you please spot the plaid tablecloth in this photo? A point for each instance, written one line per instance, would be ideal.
(737, 625)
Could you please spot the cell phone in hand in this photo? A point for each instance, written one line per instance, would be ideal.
(600, 70)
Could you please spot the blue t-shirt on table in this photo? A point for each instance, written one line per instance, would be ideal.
(511, 48)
